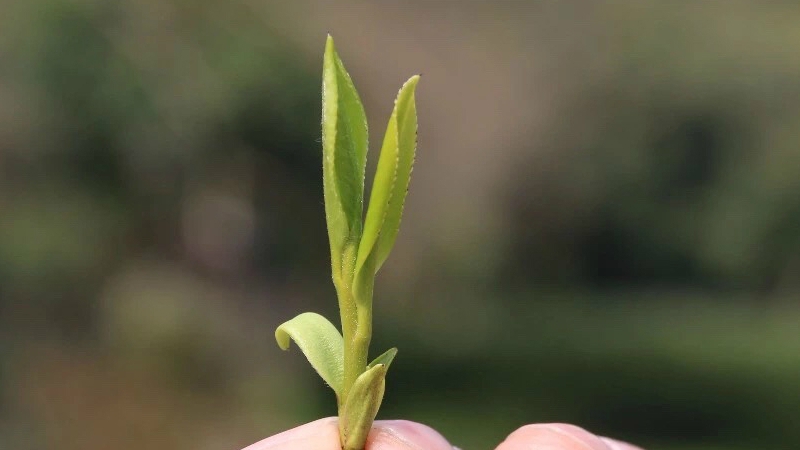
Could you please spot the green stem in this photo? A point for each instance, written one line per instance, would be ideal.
(348, 311)
(355, 303)
(358, 332)
(355, 354)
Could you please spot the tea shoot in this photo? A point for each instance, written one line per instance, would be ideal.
(359, 244)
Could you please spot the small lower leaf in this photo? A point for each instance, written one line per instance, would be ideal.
(320, 341)
(362, 406)
(386, 358)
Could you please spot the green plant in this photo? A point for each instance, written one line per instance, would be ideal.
(359, 245)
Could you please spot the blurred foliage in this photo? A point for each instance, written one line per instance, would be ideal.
(161, 211)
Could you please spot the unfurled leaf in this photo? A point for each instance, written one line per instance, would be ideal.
(361, 407)
(391, 183)
(386, 358)
(320, 341)
(344, 155)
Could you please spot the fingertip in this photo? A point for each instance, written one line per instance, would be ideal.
(614, 444)
(405, 435)
(322, 434)
(555, 436)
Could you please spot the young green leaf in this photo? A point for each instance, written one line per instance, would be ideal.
(391, 183)
(361, 407)
(344, 155)
(320, 341)
(386, 358)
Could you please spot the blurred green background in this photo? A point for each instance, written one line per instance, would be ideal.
(602, 226)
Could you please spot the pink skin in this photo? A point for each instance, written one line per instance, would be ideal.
(323, 434)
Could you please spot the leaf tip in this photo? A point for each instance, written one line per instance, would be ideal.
(412, 82)
(283, 338)
(330, 48)
(385, 359)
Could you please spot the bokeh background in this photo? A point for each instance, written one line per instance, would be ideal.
(602, 226)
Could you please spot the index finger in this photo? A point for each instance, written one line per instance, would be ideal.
(322, 434)
(559, 436)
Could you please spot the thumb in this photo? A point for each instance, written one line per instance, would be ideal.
(323, 434)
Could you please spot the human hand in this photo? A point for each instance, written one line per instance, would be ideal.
(323, 434)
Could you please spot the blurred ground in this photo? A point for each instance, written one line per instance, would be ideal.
(601, 227)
